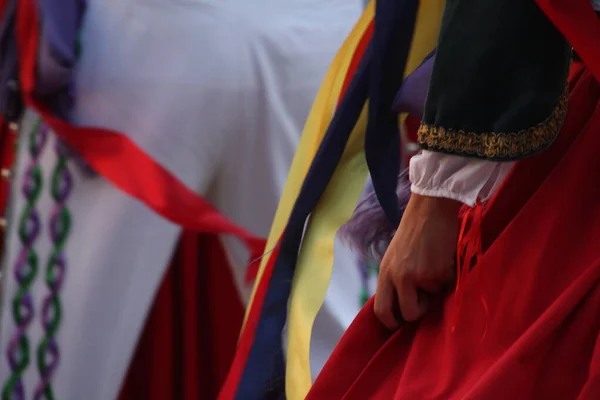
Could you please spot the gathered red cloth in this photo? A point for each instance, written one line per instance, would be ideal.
(7, 159)
(192, 329)
(540, 276)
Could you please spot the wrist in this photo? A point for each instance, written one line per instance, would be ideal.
(436, 204)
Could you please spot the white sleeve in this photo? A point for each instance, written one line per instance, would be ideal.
(459, 178)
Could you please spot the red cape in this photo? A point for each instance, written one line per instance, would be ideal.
(539, 277)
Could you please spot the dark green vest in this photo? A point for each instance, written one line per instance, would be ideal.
(498, 89)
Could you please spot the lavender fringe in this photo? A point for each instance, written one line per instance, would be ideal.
(368, 231)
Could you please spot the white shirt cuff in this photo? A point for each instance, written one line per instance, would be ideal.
(458, 178)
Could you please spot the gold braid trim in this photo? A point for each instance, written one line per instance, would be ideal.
(496, 145)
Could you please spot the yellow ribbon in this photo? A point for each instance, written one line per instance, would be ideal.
(315, 262)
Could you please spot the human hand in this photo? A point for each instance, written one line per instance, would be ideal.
(419, 261)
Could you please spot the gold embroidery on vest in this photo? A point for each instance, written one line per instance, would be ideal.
(496, 145)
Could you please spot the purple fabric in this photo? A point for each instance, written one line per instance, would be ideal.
(412, 94)
(60, 25)
(61, 21)
(369, 231)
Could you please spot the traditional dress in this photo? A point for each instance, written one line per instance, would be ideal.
(185, 99)
(523, 322)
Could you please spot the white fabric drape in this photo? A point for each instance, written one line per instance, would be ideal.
(216, 92)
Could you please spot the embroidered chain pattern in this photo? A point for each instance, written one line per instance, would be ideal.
(496, 145)
(48, 352)
(25, 267)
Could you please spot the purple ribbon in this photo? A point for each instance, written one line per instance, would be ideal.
(412, 94)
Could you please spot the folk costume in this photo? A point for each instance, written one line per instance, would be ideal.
(324, 185)
(150, 128)
(523, 321)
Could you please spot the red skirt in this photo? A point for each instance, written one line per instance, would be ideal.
(191, 333)
(539, 276)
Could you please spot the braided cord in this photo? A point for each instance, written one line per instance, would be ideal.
(25, 267)
(48, 352)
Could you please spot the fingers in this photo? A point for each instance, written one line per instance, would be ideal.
(411, 306)
(385, 304)
(430, 286)
(435, 284)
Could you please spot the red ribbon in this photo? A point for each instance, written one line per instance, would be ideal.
(118, 159)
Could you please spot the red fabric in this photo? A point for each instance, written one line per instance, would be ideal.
(577, 20)
(118, 159)
(190, 336)
(540, 276)
(412, 124)
(411, 127)
(7, 158)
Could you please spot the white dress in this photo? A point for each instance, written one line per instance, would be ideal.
(217, 93)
